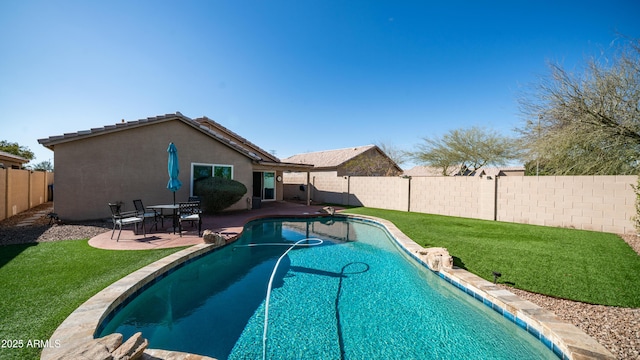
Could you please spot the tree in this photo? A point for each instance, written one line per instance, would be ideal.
(586, 123)
(465, 151)
(370, 166)
(393, 152)
(16, 149)
(43, 166)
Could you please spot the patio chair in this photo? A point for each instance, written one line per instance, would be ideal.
(189, 212)
(146, 214)
(121, 219)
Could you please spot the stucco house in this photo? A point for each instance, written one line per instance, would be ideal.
(8, 161)
(128, 160)
(367, 160)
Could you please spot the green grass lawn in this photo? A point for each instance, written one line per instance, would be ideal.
(41, 284)
(586, 266)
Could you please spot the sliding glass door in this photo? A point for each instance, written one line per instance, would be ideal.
(269, 184)
(264, 185)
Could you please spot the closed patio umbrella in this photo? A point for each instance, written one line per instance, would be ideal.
(174, 170)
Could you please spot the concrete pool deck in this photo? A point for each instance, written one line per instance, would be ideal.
(77, 331)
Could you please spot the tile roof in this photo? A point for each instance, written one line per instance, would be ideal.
(16, 158)
(329, 158)
(215, 127)
(495, 171)
(239, 143)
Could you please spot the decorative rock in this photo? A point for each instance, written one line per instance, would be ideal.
(436, 258)
(132, 349)
(93, 350)
(328, 210)
(215, 238)
(111, 341)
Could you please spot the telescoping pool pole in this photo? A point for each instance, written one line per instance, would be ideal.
(273, 275)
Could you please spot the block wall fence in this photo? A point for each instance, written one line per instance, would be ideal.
(599, 203)
(21, 190)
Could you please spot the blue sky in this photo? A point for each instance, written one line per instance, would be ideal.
(290, 76)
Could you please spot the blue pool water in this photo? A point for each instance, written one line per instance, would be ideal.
(355, 296)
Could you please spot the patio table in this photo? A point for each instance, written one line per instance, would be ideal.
(174, 215)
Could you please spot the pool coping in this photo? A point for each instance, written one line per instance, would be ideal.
(564, 339)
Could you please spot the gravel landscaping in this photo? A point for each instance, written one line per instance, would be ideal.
(14, 231)
(618, 329)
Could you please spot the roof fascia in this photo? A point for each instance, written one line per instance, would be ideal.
(51, 141)
(85, 134)
(286, 166)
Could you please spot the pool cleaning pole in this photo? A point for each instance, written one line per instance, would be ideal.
(266, 305)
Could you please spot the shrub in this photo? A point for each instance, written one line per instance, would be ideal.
(218, 193)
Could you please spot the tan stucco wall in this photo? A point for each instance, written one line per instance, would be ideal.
(17, 191)
(38, 185)
(21, 190)
(132, 164)
(3, 194)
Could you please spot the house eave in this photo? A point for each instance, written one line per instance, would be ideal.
(52, 141)
(285, 166)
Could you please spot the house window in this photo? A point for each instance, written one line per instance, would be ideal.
(203, 171)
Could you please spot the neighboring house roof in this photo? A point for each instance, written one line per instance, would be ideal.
(422, 170)
(12, 157)
(8, 159)
(331, 159)
(502, 171)
(204, 125)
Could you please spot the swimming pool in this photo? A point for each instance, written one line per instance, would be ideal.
(356, 295)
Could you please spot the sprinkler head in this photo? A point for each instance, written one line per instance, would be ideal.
(496, 275)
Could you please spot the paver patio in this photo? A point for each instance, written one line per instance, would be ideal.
(230, 224)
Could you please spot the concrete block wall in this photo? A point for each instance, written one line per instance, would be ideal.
(330, 189)
(600, 203)
(453, 196)
(380, 192)
(487, 201)
(294, 178)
